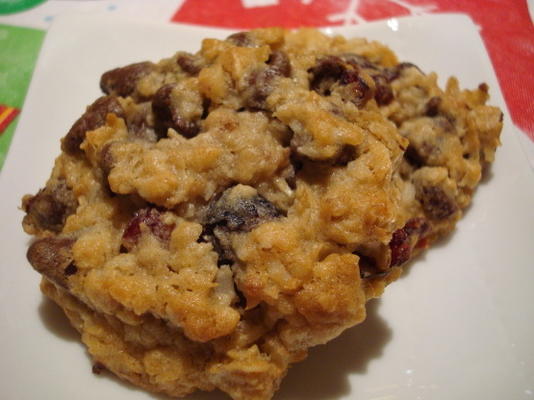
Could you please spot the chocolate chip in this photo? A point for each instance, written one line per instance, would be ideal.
(395, 72)
(347, 154)
(360, 92)
(94, 117)
(50, 207)
(189, 63)
(359, 60)
(232, 214)
(432, 106)
(98, 368)
(383, 93)
(325, 73)
(52, 257)
(167, 114)
(279, 62)
(413, 157)
(260, 86)
(332, 74)
(123, 81)
(436, 204)
(241, 214)
(241, 39)
(139, 122)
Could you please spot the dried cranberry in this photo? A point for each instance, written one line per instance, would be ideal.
(151, 218)
(404, 240)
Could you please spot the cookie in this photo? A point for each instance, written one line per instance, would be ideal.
(214, 215)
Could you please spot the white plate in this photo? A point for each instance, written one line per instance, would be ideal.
(459, 325)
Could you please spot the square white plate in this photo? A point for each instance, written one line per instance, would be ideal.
(459, 325)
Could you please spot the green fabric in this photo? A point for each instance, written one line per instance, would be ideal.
(12, 6)
(19, 48)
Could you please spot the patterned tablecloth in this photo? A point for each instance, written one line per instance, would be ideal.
(505, 25)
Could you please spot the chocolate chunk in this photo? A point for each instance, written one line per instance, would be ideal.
(436, 204)
(52, 257)
(151, 218)
(168, 115)
(94, 117)
(123, 81)
(50, 207)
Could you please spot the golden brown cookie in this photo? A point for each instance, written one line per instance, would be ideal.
(214, 215)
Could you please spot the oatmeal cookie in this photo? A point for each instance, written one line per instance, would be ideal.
(214, 215)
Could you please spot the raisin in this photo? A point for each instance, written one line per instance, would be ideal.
(436, 204)
(150, 217)
(168, 115)
(123, 81)
(189, 63)
(50, 207)
(432, 106)
(94, 117)
(52, 257)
